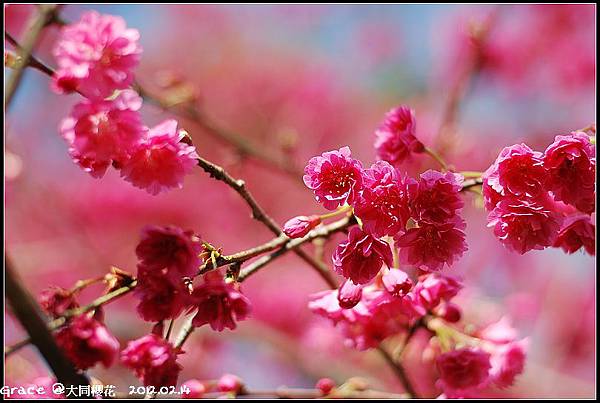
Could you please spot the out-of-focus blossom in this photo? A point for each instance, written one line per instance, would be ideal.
(161, 161)
(56, 300)
(153, 360)
(448, 311)
(219, 304)
(325, 385)
(517, 171)
(499, 332)
(360, 257)
(395, 139)
(349, 294)
(430, 246)
(396, 282)
(299, 226)
(571, 165)
(523, 225)
(463, 369)
(435, 197)
(195, 387)
(383, 204)
(577, 231)
(169, 248)
(334, 177)
(96, 55)
(508, 361)
(104, 132)
(229, 383)
(86, 342)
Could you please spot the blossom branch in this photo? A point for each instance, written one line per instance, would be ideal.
(399, 370)
(36, 25)
(28, 313)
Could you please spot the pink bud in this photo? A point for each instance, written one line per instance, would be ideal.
(229, 383)
(299, 226)
(397, 283)
(449, 312)
(349, 294)
(196, 389)
(325, 385)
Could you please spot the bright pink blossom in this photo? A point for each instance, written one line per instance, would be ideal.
(397, 282)
(104, 132)
(349, 294)
(56, 300)
(195, 389)
(395, 139)
(86, 342)
(523, 225)
(153, 360)
(449, 312)
(577, 231)
(299, 226)
(219, 304)
(463, 369)
(96, 56)
(169, 248)
(161, 161)
(334, 177)
(435, 197)
(430, 246)
(517, 171)
(571, 165)
(383, 203)
(360, 257)
(433, 288)
(229, 383)
(499, 332)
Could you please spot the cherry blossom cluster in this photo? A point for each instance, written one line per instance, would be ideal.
(96, 57)
(538, 200)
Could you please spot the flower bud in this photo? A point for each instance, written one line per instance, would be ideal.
(299, 226)
(325, 385)
(349, 294)
(396, 282)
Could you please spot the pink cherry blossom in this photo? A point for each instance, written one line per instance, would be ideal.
(96, 55)
(160, 297)
(430, 246)
(435, 197)
(169, 248)
(396, 282)
(86, 342)
(219, 304)
(463, 369)
(395, 139)
(161, 161)
(433, 288)
(383, 203)
(153, 360)
(196, 389)
(577, 231)
(523, 225)
(299, 226)
(571, 165)
(360, 257)
(334, 177)
(508, 361)
(56, 300)
(104, 132)
(349, 294)
(499, 332)
(229, 383)
(518, 171)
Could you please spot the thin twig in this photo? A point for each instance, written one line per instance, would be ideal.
(29, 315)
(399, 370)
(36, 25)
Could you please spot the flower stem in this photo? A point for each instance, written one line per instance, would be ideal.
(437, 157)
(471, 174)
(339, 211)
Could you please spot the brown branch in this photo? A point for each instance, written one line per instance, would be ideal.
(399, 371)
(35, 26)
(29, 315)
